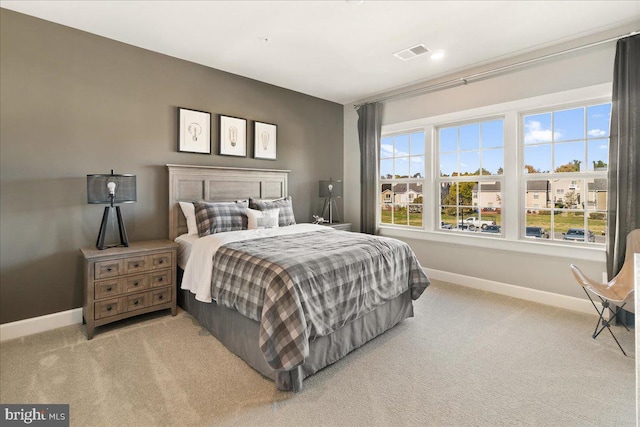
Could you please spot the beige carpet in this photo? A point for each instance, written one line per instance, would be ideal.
(467, 358)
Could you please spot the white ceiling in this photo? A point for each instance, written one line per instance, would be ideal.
(337, 50)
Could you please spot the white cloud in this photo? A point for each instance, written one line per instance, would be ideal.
(597, 132)
(603, 147)
(535, 133)
(387, 149)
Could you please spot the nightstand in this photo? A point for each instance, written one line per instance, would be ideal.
(126, 282)
(344, 226)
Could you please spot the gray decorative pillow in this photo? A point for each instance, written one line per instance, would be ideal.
(214, 218)
(286, 216)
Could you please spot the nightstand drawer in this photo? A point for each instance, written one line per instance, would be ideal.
(135, 283)
(161, 296)
(106, 308)
(135, 265)
(108, 288)
(162, 260)
(161, 278)
(136, 302)
(106, 269)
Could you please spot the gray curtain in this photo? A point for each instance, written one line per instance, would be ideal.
(369, 131)
(623, 206)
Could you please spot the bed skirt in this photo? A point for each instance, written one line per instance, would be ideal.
(240, 335)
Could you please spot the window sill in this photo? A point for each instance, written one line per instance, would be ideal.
(563, 250)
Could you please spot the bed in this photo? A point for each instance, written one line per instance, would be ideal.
(275, 326)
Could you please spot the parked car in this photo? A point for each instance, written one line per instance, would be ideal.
(537, 232)
(577, 235)
(491, 229)
(445, 226)
(476, 222)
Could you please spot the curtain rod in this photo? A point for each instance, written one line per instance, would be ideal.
(467, 79)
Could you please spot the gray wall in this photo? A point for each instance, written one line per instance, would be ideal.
(572, 71)
(73, 103)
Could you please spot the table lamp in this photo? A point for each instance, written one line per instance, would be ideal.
(110, 189)
(330, 190)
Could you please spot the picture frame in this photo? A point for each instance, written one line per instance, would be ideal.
(233, 136)
(194, 131)
(265, 141)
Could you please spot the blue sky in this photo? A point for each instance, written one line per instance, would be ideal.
(551, 140)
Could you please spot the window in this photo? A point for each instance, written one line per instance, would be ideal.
(471, 164)
(565, 159)
(519, 171)
(402, 172)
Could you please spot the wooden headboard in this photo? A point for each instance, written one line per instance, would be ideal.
(219, 184)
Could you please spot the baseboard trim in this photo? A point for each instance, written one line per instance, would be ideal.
(34, 325)
(528, 294)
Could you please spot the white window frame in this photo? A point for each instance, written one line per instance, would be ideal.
(575, 178)
(511, 190)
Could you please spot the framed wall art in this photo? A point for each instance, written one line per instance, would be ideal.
(233, 136)
(194, 131)
(265, 140)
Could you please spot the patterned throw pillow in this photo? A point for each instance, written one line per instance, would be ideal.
(262, 219)
(214, 218)
(286, 216)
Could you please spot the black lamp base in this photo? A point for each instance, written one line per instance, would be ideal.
(124, 240)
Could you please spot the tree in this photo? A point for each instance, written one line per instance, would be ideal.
(500, 170)
(599, 164)
(417, 175)
(570, 199)
(531, 169)
(573, 166)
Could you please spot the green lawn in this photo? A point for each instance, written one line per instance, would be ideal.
(563, 221)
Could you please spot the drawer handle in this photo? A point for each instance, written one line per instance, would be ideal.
(135, 302)
(160, 297)
(109, 268)
(109, 289)
(160, 279)
(136, 265)
(161, 261)
(108, 308)
(135, 284)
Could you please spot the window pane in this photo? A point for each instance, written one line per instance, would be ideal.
(537, 128)
(448, 218)
(569, 157)
(386, 147)
(469, 162)
(597, 194)
(466, 193)
(568, 124)
(386, 213)
(400, 214)
(538, 194)
(415, 215)
(598, 121)
(538, 225)
(402, 145)
(386, 194)
(386, 169)
(492, 134)
(401, 167)
(470, 137)
(493, 162)
(598, 154)
(448, 192)
(417, 143)
(416, 167)
(598, 226)
(537, 158)
(448, 164)
(489, 197)
(569, 193)
(448, 139)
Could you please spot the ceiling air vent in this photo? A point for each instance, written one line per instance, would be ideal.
(411, 52)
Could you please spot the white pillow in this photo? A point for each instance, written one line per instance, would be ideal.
(189, 212)
(262, 219)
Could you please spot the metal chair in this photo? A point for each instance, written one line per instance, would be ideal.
(617, 292)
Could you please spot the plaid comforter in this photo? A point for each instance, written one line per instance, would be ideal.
(310, 284)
